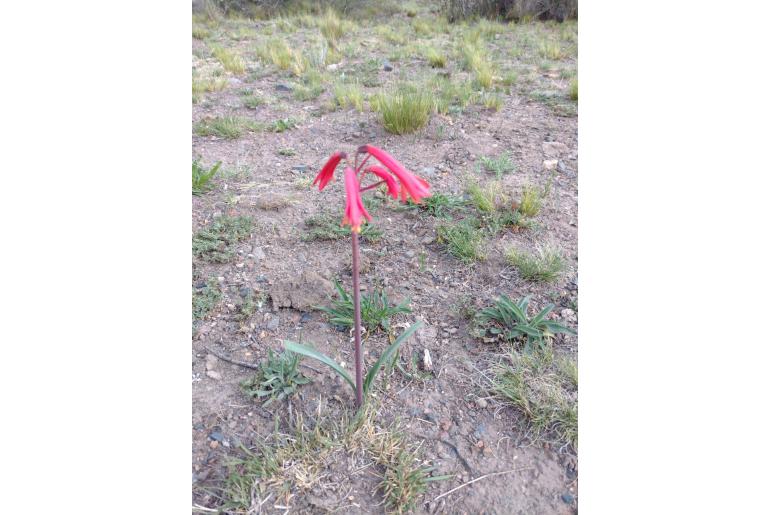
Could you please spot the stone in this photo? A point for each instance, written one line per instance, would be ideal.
(428, 171)
(214, 375)
(211, 361)
(427, 240)
(481, 403)
(258, 253)
(217, 436)
(562, 168)
(300, 168)
(567, 498)
(554, 148)
(550, 164)
(284, 87)
(387, 66)
(272, 322)
(302, 292)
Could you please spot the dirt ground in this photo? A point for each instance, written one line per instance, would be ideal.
(450, 416)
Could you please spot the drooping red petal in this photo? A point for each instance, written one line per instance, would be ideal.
(412, 185)
(354, 206)
(327, 172)
(385, 175)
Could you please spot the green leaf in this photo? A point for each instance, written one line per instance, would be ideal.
(388, 354)
(556, 327)
(540, 316)
(323, 358)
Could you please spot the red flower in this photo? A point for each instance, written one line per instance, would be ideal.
(354, 207)
(384, 175)
(412, 185)
(327, 172)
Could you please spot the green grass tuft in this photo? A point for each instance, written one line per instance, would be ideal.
(216, 243)
(463, 240)
(201, 177)
(327, 227)
(349, 95)
(376, 309)
(405, 109)
(500, 166)
(277, 378)
(542, 394)
(573, 90)
(205, 299)
(227, 127)
(231, 61)
(544, 265)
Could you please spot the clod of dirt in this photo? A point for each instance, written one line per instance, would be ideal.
(554, 148)
(302, 292)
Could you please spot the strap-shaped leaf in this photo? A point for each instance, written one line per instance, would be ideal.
(529, 331)
(524, 305)
(556, 327)
(540, 316)
(521, 317)
(323, 358)
(387, 355)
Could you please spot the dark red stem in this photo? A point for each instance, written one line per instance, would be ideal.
(358, 168)
(357, 328)
(372, 186)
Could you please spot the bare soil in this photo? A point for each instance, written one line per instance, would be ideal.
(461, 428)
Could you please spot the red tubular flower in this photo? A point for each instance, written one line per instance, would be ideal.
(412, 185)
(354, 207)
(327, 172)
(383, 174)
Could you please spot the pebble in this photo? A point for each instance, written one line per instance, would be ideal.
(214, 375)
(550, 164)
(427, 240)
(567, 498)
(211, 361)
(453, 330)
(217, 435)
(387, 66)
(258, 253)
(481, 403)
(410, 254)
(283, 87)
(301, 168)
(428, 171)
(272, 322)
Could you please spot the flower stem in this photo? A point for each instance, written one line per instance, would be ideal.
(371, 186)
(357, 328)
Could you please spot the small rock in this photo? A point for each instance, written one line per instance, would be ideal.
(427, 240)
(428, 171)
(272, 322)
(284, 87)
(452, 330)
(481, 403)
(302, 292)
(245, 291)
(217, 435)
(427, 362)
(554, 148)
(562, 168)
(300, 168)
(568, 315)
(387, 66)
(258, 253)
(567, 498)
(550, 164)
(214, 375)
(410, 254)
(211, 361)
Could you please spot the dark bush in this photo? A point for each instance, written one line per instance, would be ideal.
(559, 10)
